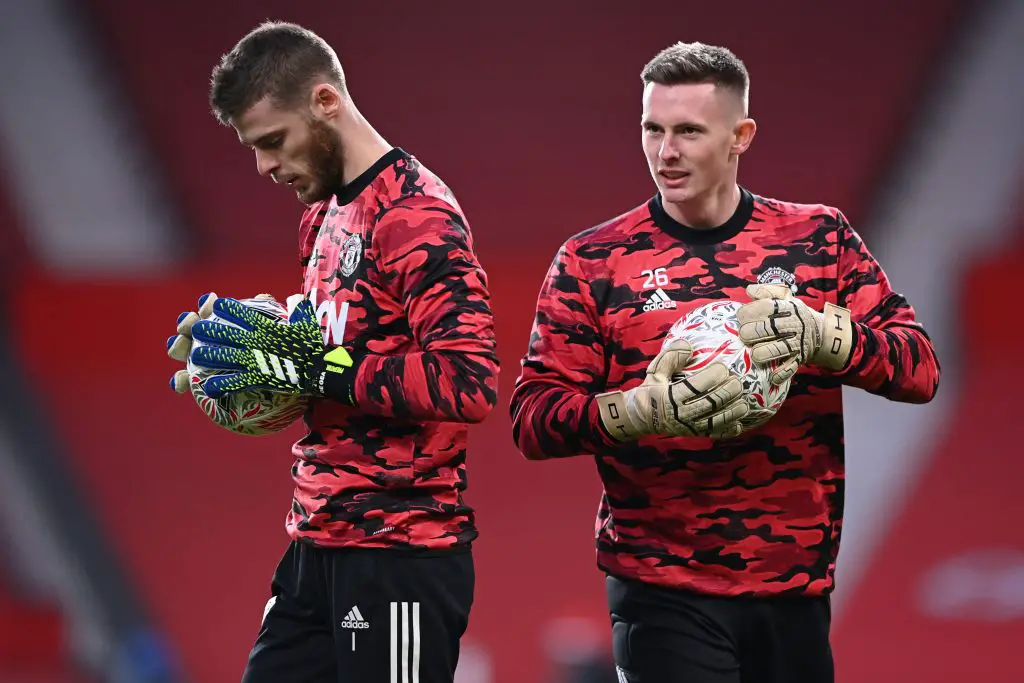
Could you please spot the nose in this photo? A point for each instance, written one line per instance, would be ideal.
(668, 151)
(265, 163)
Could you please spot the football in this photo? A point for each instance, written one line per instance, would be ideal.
(248, 412)
(713, 331)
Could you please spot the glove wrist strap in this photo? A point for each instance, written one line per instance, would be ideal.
(614, 416)
(333, 377)
(837, 338)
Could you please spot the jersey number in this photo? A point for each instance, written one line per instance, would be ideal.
(655, 278)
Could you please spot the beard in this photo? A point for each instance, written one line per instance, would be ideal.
(325, 161)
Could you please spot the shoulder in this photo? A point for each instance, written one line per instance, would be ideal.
(771, 208)
(410, 187)
(415, 210)
(594, 242)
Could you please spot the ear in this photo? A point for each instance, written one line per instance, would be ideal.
(743, 135)
(325, 100)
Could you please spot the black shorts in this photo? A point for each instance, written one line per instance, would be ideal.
(354, 615)
(672, 636)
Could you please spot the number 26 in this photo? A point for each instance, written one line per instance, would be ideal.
(655, 278)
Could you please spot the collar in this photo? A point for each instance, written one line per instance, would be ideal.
(721, 233)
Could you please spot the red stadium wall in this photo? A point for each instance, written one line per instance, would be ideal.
(530, 110)
(532, 117)
(944, 598)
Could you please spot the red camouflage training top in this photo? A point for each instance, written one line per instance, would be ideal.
(756, 515)
(390, 268)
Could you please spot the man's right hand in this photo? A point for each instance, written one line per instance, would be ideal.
(707, 403)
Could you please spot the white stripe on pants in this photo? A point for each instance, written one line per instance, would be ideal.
(400, 642)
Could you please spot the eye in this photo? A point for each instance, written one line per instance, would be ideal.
(651, 128)
(270, 142)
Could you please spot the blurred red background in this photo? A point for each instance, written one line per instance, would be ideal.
(530, 112)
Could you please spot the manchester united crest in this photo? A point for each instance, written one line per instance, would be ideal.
(778, 276)
(351, 253)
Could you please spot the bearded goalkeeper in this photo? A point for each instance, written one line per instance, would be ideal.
(393, 339)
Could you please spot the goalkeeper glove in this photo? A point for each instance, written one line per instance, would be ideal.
(267, 353)
(778, 327)
(179, 345)
(708, 403)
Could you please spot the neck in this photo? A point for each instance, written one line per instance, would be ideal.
(707, 211)
(362, 146)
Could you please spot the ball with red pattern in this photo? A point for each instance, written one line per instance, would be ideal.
(713, 332)
(255, 412)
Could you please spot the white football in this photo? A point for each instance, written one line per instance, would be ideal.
(248, 412)
(713, 331)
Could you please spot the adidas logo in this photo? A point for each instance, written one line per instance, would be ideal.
(354, 619)
(658, 300)
(274, 366)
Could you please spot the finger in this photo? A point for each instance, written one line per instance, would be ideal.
(764, 291)
(185, 322)
(219, 386)
(219, 334)
(224, 385)
(726, 421)
(672, 360)
(730, 432)
(754, 311)
(702, 382)
(762, 309)
(303, 312)
(771, 351)
(698, 407)
(219, 357)
(234, 311)
(178, 347)
(772, 327)
(785, 373)
(180, 381)
(206, 304)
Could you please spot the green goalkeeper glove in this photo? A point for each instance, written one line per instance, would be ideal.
(707, 403)
(266, 353)
(778, 327)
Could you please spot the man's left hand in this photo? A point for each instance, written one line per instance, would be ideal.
(780, 328)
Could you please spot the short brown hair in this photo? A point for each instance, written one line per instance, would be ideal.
(276, 59)
(685, 63)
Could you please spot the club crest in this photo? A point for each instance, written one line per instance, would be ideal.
(351, 253)
(778, 276)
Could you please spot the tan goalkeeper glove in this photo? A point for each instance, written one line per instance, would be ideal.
(778, 327)
(707, 403)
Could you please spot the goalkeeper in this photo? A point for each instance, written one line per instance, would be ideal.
(719, 552)
(393, 339)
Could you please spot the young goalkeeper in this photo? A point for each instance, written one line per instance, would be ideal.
(719, 552)
(395, 343)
